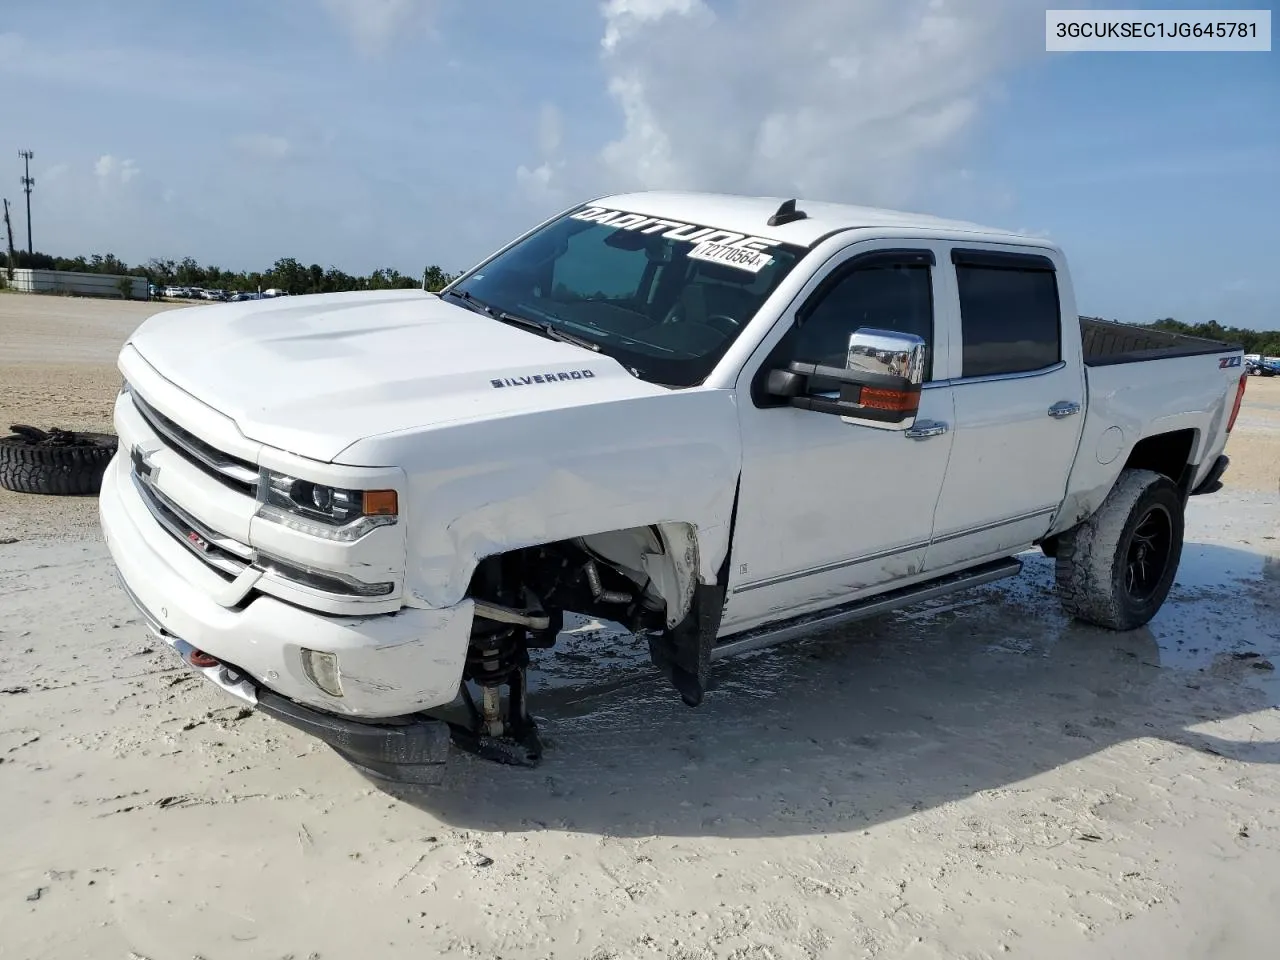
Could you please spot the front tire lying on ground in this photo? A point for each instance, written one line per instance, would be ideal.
(58, 462)
(1115, 569)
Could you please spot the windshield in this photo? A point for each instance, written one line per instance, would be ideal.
(665, 299)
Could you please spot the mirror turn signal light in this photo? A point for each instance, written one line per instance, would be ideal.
(381, 503)
(897, 401)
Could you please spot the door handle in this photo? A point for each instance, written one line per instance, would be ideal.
(924, 429)
(1063, 409)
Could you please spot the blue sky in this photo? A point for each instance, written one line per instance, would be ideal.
(362, 133)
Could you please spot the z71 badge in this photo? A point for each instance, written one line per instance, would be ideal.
(1228, 362)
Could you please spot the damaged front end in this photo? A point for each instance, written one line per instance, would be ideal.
(644, 578)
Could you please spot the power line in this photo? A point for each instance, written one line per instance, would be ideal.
(27, 184)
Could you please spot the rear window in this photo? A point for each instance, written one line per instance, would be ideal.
(1010, 318)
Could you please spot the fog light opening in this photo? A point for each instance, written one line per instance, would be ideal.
(322, 670)
(198, 658)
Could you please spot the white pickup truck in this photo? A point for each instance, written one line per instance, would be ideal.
(720, 421)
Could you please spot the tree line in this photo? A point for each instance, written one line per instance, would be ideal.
(285, 274)
(1265, 342)
(293, 277)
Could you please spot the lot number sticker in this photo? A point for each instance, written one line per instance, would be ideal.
(753, 261)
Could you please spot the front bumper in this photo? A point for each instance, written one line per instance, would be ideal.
(391, 665)
(412, 750)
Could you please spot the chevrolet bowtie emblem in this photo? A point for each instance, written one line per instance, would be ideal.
(141, 465)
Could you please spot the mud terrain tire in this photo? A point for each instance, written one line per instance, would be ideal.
(58, 463)
(1115, 569)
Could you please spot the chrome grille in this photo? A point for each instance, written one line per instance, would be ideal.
(232, 471)
(224, 555)
(227, 557)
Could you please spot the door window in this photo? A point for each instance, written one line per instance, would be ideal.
(1010, 319)
(885, 293)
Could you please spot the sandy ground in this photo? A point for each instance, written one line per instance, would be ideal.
(58, 369)
(972, 778)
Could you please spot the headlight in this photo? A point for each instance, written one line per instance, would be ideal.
(334, 513)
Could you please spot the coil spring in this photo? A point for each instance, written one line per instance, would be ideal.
(494, 659)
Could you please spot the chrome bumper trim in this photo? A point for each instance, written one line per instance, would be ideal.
(228, 678)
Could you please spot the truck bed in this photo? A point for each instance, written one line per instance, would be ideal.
(1107, 342)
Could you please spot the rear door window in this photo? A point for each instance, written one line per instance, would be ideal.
(1010, 316)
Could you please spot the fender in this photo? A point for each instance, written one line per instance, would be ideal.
(683, 652)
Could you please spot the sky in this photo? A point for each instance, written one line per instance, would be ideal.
(367, 133)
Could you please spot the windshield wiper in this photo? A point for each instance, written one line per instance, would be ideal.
(479, 306)
(547, 330)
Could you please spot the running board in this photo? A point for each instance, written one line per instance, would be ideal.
(808, 624)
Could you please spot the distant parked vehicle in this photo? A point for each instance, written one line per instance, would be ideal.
(244, 295)
(272, 292)
(1262, 366)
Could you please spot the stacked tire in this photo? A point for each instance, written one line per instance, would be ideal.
(56, 462)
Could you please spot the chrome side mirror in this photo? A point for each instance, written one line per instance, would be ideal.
(879, 385)
(889, 368)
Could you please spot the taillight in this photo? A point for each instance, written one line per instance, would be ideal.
(1235, 411)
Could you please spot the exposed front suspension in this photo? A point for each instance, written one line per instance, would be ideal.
(500, 726)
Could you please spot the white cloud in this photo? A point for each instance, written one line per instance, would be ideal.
(536, 181)
(373, 24)
(550, 130)
(857, 101)
(55, 173)
(112, 170)
(622, 16)
(264, 146)
(539, 183)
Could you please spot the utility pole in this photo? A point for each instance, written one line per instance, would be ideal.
(8, 226)
(27, 184)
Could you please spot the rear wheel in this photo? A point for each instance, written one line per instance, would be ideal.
(1116, 568)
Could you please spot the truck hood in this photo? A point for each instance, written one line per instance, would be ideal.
(314, 374)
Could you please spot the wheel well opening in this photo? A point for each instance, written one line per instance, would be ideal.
(1166, 453)
(643, 577)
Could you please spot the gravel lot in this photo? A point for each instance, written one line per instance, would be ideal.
(971, 778)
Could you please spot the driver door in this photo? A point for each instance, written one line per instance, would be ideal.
(829, 509)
